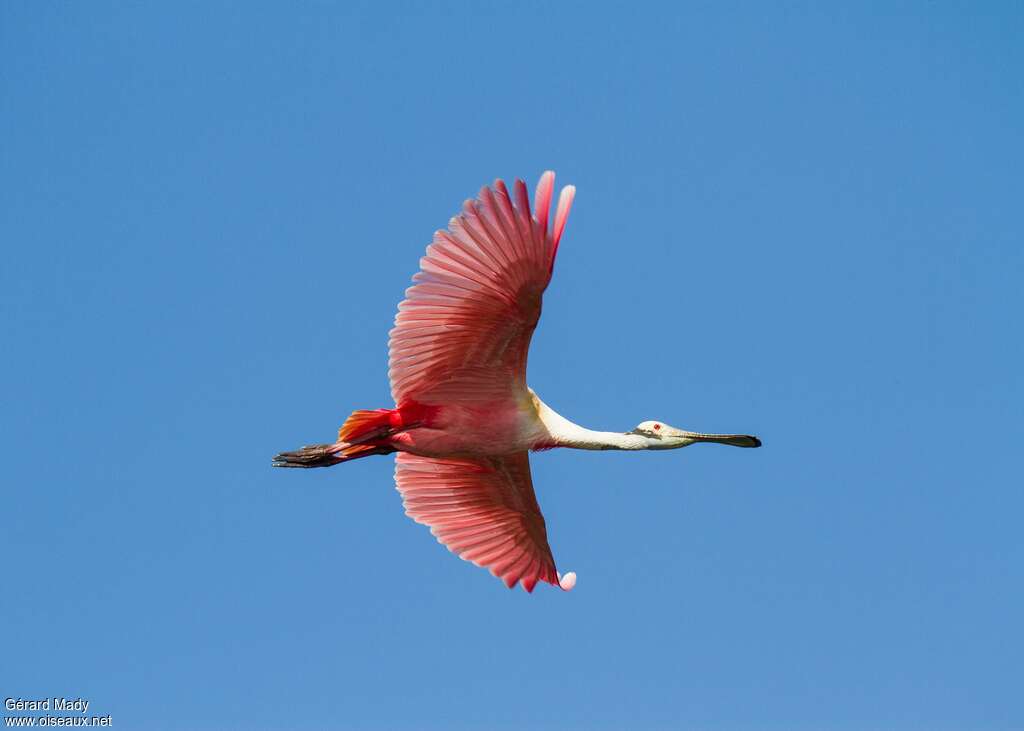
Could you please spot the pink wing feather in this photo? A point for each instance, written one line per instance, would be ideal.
(462, 334)
(469, 316)
(484, 510)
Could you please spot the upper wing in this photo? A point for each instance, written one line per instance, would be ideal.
(463, 330)
(484, 510)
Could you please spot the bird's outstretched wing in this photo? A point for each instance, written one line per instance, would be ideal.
(483, 510)
(463, 331)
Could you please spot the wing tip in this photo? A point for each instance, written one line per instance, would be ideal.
(567, 581)
(565, 199)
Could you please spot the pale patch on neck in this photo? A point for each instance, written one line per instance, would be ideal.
(564, 433)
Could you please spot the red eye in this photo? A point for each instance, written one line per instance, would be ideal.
(657, 426)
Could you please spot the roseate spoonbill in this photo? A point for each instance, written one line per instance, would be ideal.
(465, 420)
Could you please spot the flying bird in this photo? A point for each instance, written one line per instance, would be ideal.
(465, 421)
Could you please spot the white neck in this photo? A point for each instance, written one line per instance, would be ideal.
(564, 433)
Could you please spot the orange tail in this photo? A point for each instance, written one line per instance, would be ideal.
(364, 433)
(363, 425)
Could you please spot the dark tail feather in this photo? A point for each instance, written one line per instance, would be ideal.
(326, 455)
(317, 455)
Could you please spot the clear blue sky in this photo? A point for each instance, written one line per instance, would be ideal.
(798, 221)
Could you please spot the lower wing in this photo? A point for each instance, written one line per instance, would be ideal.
(485, 511)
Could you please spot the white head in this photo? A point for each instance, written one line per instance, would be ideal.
(659, 435)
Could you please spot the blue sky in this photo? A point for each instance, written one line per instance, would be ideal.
(796, 220)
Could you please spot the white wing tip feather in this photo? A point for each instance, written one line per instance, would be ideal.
(567, 581)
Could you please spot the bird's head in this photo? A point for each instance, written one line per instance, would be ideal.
(659, 435)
